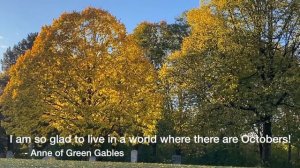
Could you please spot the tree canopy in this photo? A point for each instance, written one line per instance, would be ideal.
(11, 55)
(238, 66)
(159, 40)
(83, 76)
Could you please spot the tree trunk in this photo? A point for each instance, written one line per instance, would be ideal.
(154, 152)
(266, 147)
(298, 152)
(290, 153)
(260, 147)
(9, 145)
(260, 150)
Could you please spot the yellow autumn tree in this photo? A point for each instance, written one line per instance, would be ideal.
(239, 65)
(83, 76)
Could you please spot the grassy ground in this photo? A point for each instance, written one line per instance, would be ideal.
(22, 163)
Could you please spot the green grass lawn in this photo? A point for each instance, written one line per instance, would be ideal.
(8, 163)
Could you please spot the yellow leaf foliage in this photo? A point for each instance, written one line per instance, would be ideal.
(83, 76)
